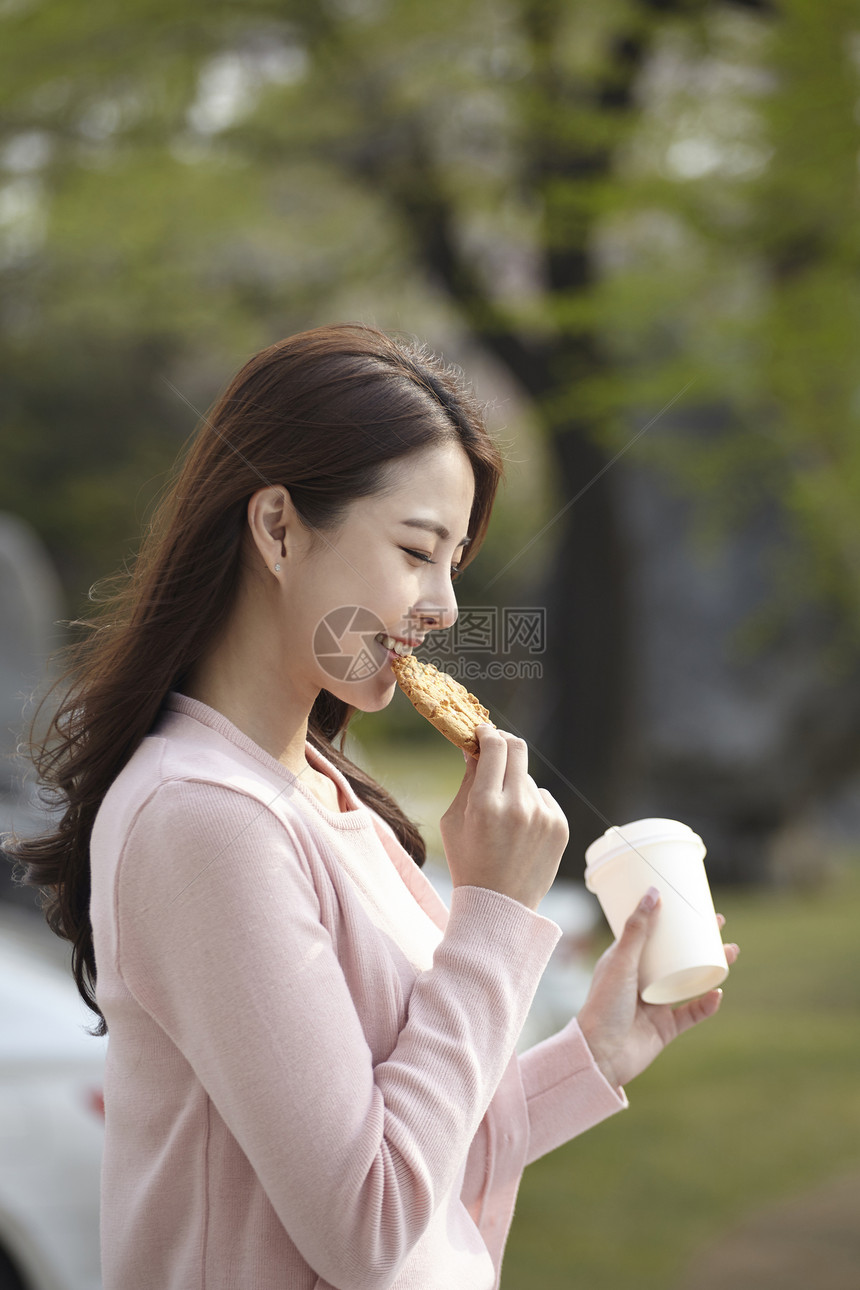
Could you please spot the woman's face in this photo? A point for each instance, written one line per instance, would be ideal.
(381, 581)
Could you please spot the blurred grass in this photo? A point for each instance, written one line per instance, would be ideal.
(758, 1104)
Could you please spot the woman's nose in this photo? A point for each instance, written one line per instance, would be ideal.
(439, 615)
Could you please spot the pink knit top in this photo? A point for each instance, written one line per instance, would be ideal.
(311, 1076)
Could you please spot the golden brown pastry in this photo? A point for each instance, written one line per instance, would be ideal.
(445, 703)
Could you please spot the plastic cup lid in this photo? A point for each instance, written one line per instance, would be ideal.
(622, 837)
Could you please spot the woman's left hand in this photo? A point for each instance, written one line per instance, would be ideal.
(623, 1033)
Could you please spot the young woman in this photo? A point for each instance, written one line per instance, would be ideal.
(311, 1078)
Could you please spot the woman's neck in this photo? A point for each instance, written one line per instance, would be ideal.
(256, 704)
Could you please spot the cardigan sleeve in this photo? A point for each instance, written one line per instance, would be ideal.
(220, 940)
(547, 1096)
(566, 1092)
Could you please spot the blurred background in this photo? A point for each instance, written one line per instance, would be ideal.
(635, 226)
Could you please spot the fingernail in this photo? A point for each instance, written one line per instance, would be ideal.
(649, 900)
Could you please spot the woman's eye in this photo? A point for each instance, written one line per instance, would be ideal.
(428, 559)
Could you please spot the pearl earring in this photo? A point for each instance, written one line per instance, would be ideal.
(277, 568)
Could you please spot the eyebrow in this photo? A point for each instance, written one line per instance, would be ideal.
(432, 527)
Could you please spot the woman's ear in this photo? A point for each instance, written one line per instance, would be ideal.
(274, 524)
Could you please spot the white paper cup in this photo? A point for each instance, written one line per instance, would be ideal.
(684, 954)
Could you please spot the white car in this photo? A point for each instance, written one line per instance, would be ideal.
(51, 1114)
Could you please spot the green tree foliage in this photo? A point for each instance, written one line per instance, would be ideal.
(632, 206)
(743, 261)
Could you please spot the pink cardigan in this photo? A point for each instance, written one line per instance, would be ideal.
(304, 1088)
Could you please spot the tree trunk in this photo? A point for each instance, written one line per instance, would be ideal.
(580, 741)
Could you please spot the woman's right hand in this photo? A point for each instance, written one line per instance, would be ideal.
(502, 831)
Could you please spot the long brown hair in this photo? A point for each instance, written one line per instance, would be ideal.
(321, 413)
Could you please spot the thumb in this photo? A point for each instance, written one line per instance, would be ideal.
(639, 923)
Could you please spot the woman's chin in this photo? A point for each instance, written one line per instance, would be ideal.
(371, 695)
(380, 700)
